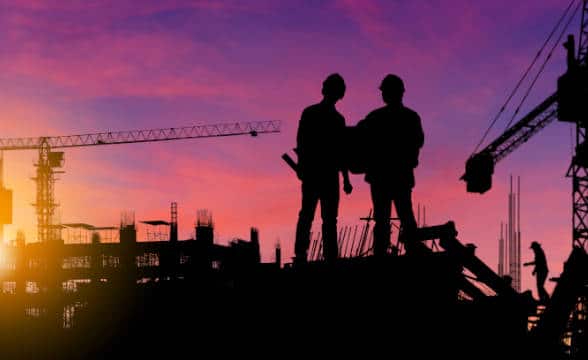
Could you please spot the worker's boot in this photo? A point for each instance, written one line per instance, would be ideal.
(406, 237)
(300, 260)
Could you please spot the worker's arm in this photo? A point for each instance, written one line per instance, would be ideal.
(346, 183)
(529, 263)
(347, 188)
(420, 134)
(301, 144)
(417, 139)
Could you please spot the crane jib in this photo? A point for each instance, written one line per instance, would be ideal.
(148, 135)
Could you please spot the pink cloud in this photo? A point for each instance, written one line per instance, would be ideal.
(116, 66)
(122, 8)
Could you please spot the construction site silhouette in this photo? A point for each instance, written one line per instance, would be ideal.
(100, 292)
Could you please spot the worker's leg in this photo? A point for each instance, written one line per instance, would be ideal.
(403, 205)
(542, 293)
(305, 217)
(382, 202)
(329, 197)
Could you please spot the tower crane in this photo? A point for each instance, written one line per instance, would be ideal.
(565, 316)
(567, 104)
(50, 160)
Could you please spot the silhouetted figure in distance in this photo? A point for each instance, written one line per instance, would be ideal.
(393, 137)
(318, 145)
(540, 271)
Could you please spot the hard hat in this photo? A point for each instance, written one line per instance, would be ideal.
(392, 82)
(334, 81)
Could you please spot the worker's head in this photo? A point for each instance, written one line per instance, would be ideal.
(333, 88)
(392, 88)
(535, 245)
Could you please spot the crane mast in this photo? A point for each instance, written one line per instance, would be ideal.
(50, 160)
(574, 85)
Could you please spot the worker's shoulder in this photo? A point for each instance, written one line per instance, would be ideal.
(388, 111)
(371, 119)
(320, 110)
(379, 112)
(410, 113)
(312, 109)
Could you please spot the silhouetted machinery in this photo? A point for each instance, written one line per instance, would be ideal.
(49, 160)
(566, 312)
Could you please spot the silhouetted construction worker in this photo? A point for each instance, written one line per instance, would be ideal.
(392, 138)
(540, 271)
(319, 142)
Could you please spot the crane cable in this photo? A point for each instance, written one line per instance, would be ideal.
(543, 65)
(519, 83)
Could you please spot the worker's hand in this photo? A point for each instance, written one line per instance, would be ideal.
(347, 187)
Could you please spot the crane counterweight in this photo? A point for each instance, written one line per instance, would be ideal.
(478, 175)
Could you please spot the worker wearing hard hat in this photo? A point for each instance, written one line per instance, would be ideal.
(540, 271)
(392, 137)
(319, 145)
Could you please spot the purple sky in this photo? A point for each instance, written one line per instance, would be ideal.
(85, 66)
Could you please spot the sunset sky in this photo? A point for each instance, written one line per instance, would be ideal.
(72, 67)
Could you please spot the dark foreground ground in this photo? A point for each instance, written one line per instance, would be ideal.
(401, 307)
